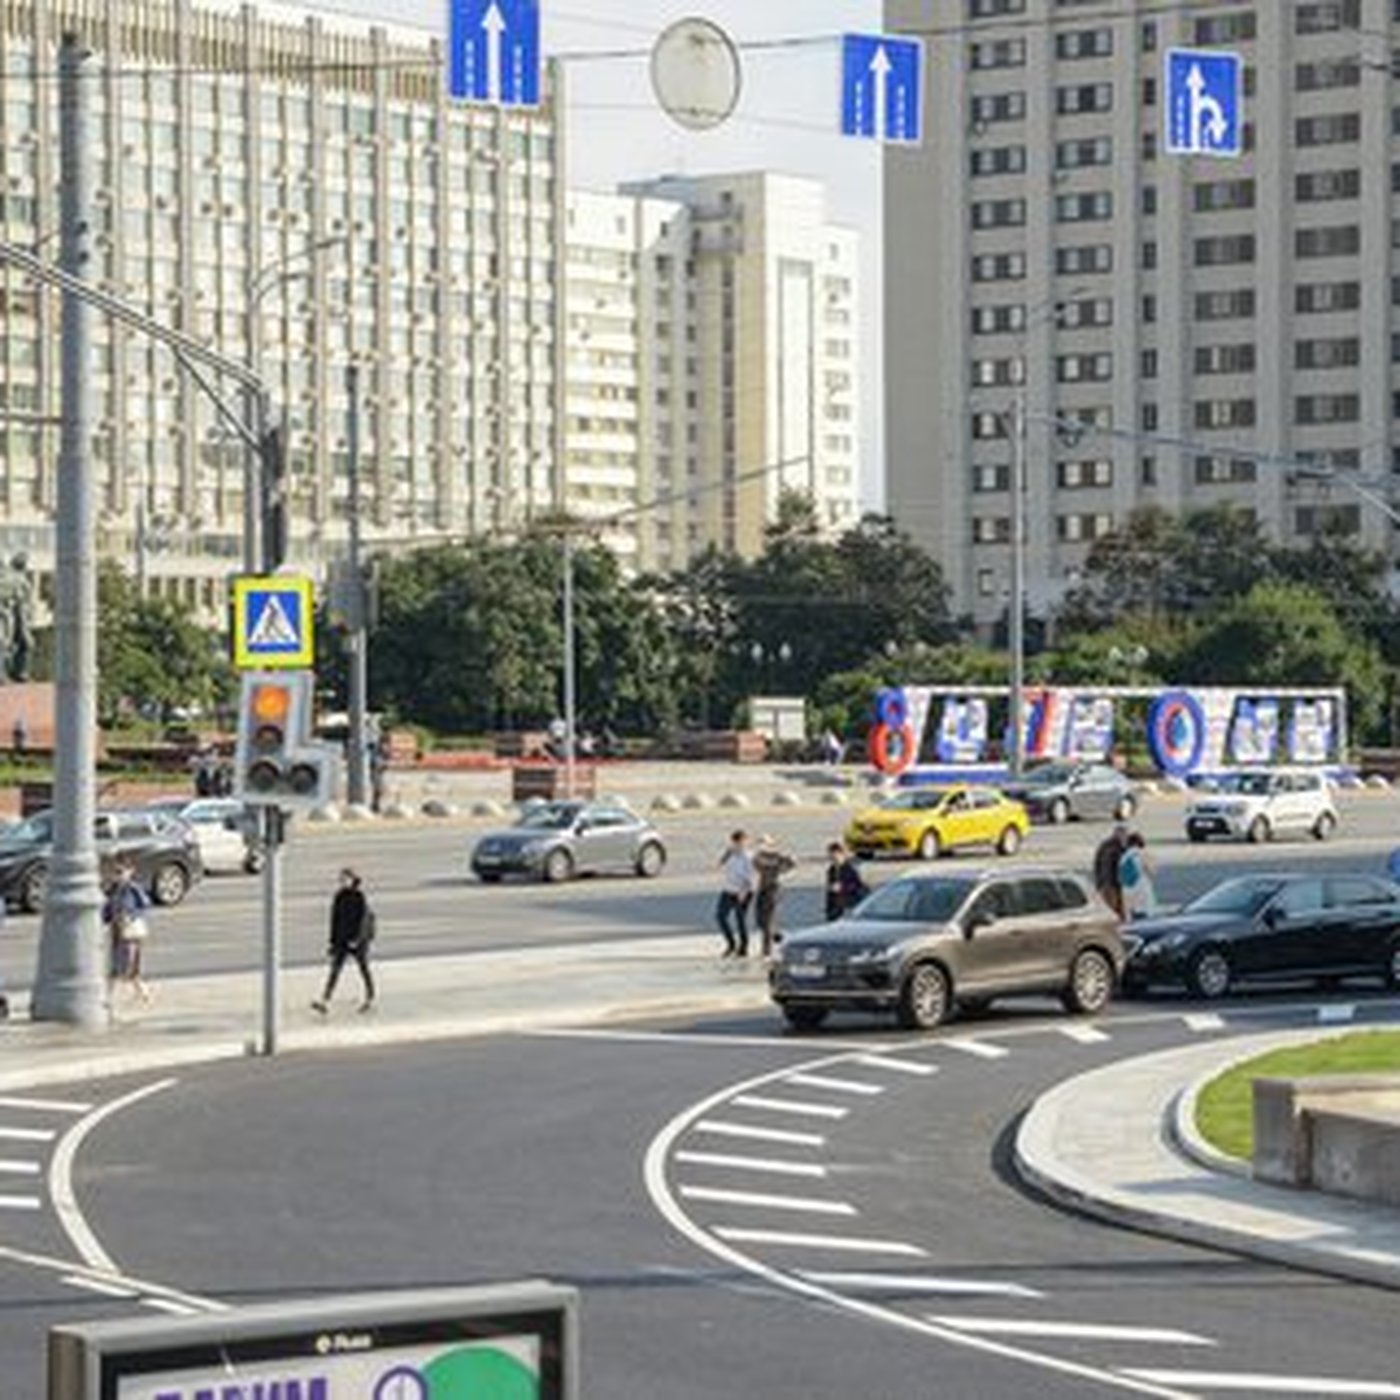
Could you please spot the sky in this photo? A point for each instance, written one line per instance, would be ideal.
(785, 121)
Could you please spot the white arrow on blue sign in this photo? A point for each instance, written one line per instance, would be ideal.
(494, 52)
(1203, 102)
(881, 88)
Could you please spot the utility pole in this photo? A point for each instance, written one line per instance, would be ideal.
(570, 666)
(1016, 617)
(70, 984)
(357, 776)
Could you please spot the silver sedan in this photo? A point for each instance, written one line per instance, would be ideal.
(558, 840)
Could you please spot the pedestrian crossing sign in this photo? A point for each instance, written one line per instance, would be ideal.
(273, 623)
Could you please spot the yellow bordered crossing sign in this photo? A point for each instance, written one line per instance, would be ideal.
(273, 623)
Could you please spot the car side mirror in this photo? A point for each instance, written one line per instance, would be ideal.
(1274, 916)
(975, 922)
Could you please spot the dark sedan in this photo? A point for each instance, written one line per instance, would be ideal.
(1265, 929)
(1057, 792)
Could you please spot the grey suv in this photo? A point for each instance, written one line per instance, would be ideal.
(558, 840)
(925, 945)
(1055, 792)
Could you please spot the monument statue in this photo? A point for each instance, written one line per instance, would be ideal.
(16, 619)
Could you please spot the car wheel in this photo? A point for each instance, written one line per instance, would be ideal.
(1209, 974)
(32, 889)
(489, 877)
(1123, 812)
(1392, 968)
(1009, 842)
(170, 884)
(1195, 837)
(651, 860)
(558, 866)
(974, 1006)
(1090, 983)
(253, 863)
(1059, 812)
(1324, 826)
(930, 847)
(1259, 830)
(925, 998)
(804, 1018)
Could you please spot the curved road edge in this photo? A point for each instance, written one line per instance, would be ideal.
(1103, 1145)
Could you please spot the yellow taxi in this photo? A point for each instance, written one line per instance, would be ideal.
(927, 821)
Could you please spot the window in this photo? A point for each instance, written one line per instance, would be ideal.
(1084, 97)
(1335, 241)
(997, 160)
(1326, 408)
(1072, 528)
(1091, 207)
(1225, 413)
(1224, 194)
(990, 373)
(991, 529)
(1092, 257)
(1225, 359)
(1225, 470)
(1084, 43)
(1327, 184)
(1235, 304)
(988, 427)
(1327, 520)
(997, 107)
(1339, 352)
(1327, 73)
(990, 9)
(1226, 29)
(1082, 369)
(1091, 311)
(997, 53)
(1327, 296)
(1075, 155)
(1224, 249)
(1076, 476)
(999, 267)
(1326, 16)
(991, 477)
(998, 213)
(995, 320)
(1330, 129)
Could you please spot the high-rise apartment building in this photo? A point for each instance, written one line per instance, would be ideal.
(1166, 318)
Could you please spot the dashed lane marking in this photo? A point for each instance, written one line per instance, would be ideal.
(167, 1305)
(27, 1134)
(19, 1203)
(46, 1105)
(1071, 1331)
(837, 1086)
(1084, 1035)
(766, 1201)
(721, 1128)
(794, 1106)
(1201, 1021)
(752, 1164)
(786, 1239)
(13, 1167)
(1267, 1385)
(1335, 1015)
(891, 1063)
(980, 1048)
(102, 1286)
(921, 1283)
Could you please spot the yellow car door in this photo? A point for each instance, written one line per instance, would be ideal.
(957, 820)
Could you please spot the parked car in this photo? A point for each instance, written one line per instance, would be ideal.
(1060, 792)
(225, 829)
(922, 946)
(558, 840)
(929, 821)
(1270, 928)
(1257, 804)
(164, 853)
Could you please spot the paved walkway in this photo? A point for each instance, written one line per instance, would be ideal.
(1106, 1144)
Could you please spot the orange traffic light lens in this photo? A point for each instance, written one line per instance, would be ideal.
(271, 704)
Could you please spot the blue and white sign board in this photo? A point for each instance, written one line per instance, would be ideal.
(494, 52)
(1204, 92)
(882, 88)
(273, 623)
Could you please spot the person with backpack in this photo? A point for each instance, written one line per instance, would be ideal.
(124, 913)
(844, 886)
(352, 932)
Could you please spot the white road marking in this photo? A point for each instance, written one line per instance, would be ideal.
(64, 1268)
(27, 1134)
(46, 1105)
(721, 1128)
(1077, 1331)
(752, 1164)
(919, 1283)
(797, 1106)
(19, 1203)
(1200, 1021)
(979, 1048)
(842, 1242)
(1085, 1035)
(768, 1202)
(1269, 1385)
(97, 1285)
(168, 1305)
(17, 1168)
(1335, 1015)
(837, 1086)
(889, 1062)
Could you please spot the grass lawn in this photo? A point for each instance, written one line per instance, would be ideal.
(1225, 1108)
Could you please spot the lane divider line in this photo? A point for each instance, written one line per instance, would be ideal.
(27, 1134)
(980, 1048)
(719, 1196)
(20, 1203)
(45, 1105)
(1073, 1331)
(722, 1128)
(876, 1061)
(98, 1285)
(1201, 1021)
(1335, 1015)
(837, 1086)
(752, 1164)
(1273, 1386)
(15, 1167)
(1085, 1035)
(794, 1106)
(788, 1240)
(923, 1283)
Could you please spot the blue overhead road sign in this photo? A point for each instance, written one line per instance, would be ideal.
(1204, 88)
(494, 51)
(881, 88)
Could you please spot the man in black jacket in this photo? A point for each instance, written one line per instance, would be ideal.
(1106, 878)
(352, 931)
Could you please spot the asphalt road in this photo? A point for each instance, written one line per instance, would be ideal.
(428, 903)
(745, 1213)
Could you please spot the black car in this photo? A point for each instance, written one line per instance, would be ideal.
(1055, 792)
(163, 852)
(1271, 928)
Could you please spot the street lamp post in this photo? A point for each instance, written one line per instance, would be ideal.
(1016, 616)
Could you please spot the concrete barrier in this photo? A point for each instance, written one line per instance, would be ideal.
(487, 809)
(698, 802)
(734, 799)
(358, 812)
(436, 807)
(327, 813)
(666, 802)
(397, 811)
(786, 799)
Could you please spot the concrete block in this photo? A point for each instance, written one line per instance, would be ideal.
(1378, 782)
(666, 802)
(833, 799)
(487, 809)
(734, 799)
(698, 802)
(396, 811)
(786, 799)
(1281, 1148)
(357, 812)
(436, 807)
(1356, 1152)
(327, 813)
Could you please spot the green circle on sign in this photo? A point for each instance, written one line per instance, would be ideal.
(481, 1373)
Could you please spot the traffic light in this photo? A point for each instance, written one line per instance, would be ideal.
(272, 452)
(277, 763)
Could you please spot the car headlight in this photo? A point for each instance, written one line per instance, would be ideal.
(863, 957)
(534, 848)
(1235, 809)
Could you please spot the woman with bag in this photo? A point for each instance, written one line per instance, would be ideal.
(124, 913)
(352, 931)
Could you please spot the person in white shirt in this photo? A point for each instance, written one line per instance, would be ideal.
(736, 890)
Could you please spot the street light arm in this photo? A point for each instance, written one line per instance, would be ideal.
(230, 417)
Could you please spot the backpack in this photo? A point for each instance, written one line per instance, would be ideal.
(367, 928)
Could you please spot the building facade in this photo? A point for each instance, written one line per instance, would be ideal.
(1164, 321)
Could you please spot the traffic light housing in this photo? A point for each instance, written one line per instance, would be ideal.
(277, 763)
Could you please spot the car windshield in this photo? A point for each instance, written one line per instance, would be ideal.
(38, 828)
(1252, 784)
(551, 817)
(915, 799)
(1243, 896)
(1049, 777)
(914, 901)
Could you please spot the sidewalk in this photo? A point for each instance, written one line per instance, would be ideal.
(197, 1019)
(1106, 1144)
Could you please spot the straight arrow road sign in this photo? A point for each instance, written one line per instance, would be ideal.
(1203, 102)
(494, 52)
(881, 88)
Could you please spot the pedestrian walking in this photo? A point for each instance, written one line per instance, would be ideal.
(1137, 873)
(4, 1000)
(770, 865)
(833, 750)
(845, 888)
(1106, 858)
(736, 890)
(352, 932)
(124, 913)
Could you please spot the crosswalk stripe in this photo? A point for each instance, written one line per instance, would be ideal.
(46, 1105)
(1335, 1015)
(834, 1242)
(916, 1283)
(812, 1110)
(751, 1164)
(838, 1086)
(979, 1048)
(1085, 1035)
(1070, 1331)
(1203, 1021)
(722, 1128)
(899, 1066)
(19, 1203)
(16, 1168)
(1268, 1385)
(767, 1202)
(27, 1134)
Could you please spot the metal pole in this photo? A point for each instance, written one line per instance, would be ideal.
(570, 660)
(274, 833)
(357, 778)
(69, 984)
(255, 401)
(1016, 616)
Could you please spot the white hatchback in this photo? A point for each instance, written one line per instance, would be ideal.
(222, 827)
(1257, 804)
